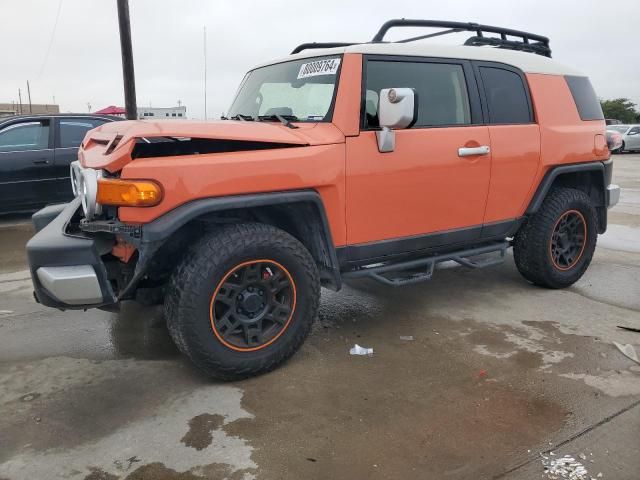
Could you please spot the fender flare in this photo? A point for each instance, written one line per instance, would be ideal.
(154, 233)
(545, 185)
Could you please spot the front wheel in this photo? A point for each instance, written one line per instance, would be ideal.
(243, 300)
(555, 247)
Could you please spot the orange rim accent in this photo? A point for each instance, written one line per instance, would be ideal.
(222, 282)
(584, 242)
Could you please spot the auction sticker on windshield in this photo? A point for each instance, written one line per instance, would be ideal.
(319, 67)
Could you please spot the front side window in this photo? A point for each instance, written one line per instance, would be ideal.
(634, 131)
(73, 130)
(25, 136)
(300, 90)
(441, 91)
(506, 96)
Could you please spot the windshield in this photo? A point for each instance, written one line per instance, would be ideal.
(300, 90)
(618, 128)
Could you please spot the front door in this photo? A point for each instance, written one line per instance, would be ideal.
(26, 165)
(427, 191)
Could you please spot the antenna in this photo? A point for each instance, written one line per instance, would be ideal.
(205, 72)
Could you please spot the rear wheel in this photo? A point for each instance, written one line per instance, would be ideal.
(243, 300)
(554, 248)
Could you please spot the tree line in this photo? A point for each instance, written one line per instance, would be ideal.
(621, 109)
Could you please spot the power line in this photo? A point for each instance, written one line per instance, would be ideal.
(53, 33)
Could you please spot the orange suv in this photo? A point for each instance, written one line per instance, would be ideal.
(376, 160)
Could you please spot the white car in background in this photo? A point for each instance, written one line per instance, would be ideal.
(630, 137)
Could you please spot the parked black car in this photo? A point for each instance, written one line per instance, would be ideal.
(35, 153)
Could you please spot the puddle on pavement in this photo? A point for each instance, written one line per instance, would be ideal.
(121, 418)
(140, 332)
(200, 431)
(14, 238)
(411, 408)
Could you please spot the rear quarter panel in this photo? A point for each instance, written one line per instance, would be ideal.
(564, 137)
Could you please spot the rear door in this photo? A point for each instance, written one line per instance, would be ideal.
(515, 143)
(69, 133)
(27, 179)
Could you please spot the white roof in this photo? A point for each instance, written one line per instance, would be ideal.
(525, 61)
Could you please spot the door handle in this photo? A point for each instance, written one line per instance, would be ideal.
(42, 161)
(470, 151)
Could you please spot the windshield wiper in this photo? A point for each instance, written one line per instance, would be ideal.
(284, 119)
(239, 116)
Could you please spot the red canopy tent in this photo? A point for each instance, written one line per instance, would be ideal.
(112, 110)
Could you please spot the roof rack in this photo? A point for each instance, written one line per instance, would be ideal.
(524, 41)
(527, 42)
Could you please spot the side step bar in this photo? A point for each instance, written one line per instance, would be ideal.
(462, 257)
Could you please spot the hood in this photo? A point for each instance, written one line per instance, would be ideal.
(111, 146)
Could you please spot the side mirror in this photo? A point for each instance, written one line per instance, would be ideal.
(397, 108)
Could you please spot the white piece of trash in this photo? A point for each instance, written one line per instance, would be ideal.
(358, 350)
(407, 338)
(628, 351)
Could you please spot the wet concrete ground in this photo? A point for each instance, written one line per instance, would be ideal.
(498, 372)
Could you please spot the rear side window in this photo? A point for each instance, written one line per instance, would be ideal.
(506, 96)
(585, 97)
(440, 87)
(73, 130)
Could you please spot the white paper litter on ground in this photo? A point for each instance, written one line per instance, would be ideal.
(407, 338)
(628, 351)
(565, 467)
(358, 350)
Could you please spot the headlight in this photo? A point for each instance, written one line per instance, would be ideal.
(75, 171)
(84, 183)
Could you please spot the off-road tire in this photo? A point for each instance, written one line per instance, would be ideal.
(532, 243)
(205, 266)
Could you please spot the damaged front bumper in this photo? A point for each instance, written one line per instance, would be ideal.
(66, 267)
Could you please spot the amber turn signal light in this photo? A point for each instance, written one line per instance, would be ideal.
(128, 193)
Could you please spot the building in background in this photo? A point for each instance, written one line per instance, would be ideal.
(148, 113)
(173, 113)
(13, 108)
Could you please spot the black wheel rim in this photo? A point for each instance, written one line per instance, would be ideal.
(568, 240)
(253, 305)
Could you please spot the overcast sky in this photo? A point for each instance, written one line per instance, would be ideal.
(78, 60)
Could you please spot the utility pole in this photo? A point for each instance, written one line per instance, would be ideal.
(205, 73)
(127, 60)
(20, 100)
(29, 94)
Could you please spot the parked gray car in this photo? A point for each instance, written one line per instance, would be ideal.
(630, 137)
